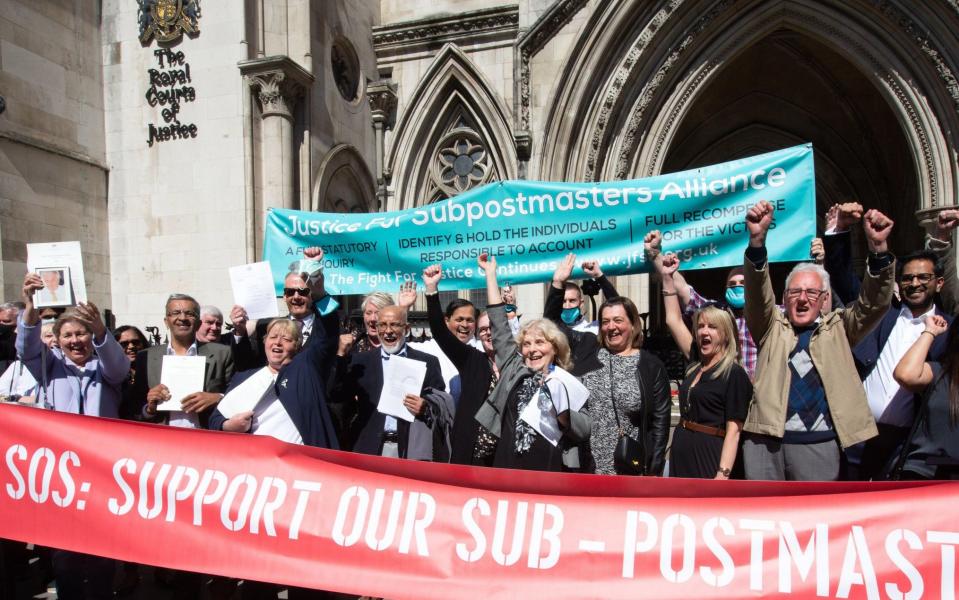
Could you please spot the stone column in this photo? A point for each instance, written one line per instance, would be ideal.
(382, 97)
(277, 82)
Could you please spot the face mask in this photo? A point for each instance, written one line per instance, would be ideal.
(510, 308)
(736, 296)
(570, 315)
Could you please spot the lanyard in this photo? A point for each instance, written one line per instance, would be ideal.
(83, 389)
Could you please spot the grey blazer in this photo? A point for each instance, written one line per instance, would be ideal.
(148, 363)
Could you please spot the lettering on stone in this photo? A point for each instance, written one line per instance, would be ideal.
(170, 87)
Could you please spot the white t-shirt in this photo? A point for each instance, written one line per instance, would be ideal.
(270, 418)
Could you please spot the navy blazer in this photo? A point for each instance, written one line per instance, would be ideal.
(360, 383)
(867, 351)
(301, 386)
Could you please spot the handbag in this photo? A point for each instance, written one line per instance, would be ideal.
(629, 456)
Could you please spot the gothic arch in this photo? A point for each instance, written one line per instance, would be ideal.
(452, 114)
(343, 183)
(633, 97)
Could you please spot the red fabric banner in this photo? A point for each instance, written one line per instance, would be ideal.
(254, 508)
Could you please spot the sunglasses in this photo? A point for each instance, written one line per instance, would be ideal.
(128, 343)
(290, 292)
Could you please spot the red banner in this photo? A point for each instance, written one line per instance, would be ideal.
(255, 508)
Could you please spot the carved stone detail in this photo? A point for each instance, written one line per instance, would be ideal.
(503, 20)
(278, 83)
(383, 101)
(541, 32)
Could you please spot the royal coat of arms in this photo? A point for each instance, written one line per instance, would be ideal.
(167, 20)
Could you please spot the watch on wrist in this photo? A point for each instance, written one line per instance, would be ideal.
(724, 472)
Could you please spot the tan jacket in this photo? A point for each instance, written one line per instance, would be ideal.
(830, 349)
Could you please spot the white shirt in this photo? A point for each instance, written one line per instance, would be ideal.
(17, 380)
(270, 418)
(451, 377)
(586, 326)
(178, 418)
(306, 325)
(889, 403)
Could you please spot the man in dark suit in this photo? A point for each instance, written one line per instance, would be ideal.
(360, 383)
(300, 307)
(182, 321)
(211, 330)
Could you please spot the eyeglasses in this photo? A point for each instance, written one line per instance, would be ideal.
(290, 292)
(182, 314)
(811, 293)
(128, 343)
(924, 278)
(393, 326)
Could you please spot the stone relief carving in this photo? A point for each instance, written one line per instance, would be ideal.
(460, 162)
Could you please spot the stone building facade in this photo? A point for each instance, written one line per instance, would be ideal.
(367, 105)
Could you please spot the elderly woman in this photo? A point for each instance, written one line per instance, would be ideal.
(714, 396)
(292, 405)
(532, 369)
(83, 376)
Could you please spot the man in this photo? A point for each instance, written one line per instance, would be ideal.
(574, 304)
(360, 382)
(300, 308)
(211, 326)
(460, 316)
(182, 321)
(804, 399)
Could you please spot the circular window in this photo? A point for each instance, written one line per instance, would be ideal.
(346, 69)
(461, 162)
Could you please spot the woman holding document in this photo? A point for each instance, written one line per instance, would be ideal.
(82, 376)
(534, 408)
(286, 399)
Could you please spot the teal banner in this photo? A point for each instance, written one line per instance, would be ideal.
(530, 225)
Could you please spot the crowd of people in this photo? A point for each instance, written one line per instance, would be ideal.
(768, 390)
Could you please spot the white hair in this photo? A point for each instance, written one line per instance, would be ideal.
(209, 309)
(809, 267)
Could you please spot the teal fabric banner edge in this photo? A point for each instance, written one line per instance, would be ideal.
(531, 225)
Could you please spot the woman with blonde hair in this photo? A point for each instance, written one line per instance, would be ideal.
(533, 370)
(714, 396)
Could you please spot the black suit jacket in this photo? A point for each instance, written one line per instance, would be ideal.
(250, 350)
(149, 363)
(359, 384)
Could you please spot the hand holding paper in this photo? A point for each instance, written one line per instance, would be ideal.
(401, 377)
(182, 375)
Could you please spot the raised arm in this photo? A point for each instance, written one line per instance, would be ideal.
(837, 246)
(452, 347)
(28, 344)
(667, 266)
(591, 268)
(913, 372)
(504, 344)
(761, 306)
(941, 243)
(876, 293)
(320, 348)
(653, 249)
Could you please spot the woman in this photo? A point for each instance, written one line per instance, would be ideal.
(933, 450)
(533, 369)
(628, 392)
(132, 341)
(83, 376)
(477, 370)
(293, 410)
(714, 395)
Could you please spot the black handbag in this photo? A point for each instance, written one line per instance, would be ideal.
(629, 456)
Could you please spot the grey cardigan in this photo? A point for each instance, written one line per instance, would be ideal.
(511, 371)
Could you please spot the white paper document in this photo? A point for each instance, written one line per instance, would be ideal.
(247, 395)
(182, 375)
(401, 376)
(253, 290)
(567, 394)
(65, 256)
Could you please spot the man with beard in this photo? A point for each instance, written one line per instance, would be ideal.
(360, 382)
(920, 278)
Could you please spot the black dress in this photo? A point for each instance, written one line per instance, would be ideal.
(541, 455)
(711, 402)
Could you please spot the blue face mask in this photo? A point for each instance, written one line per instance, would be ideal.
(510, 308)
(570, 315)
(736, 296)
